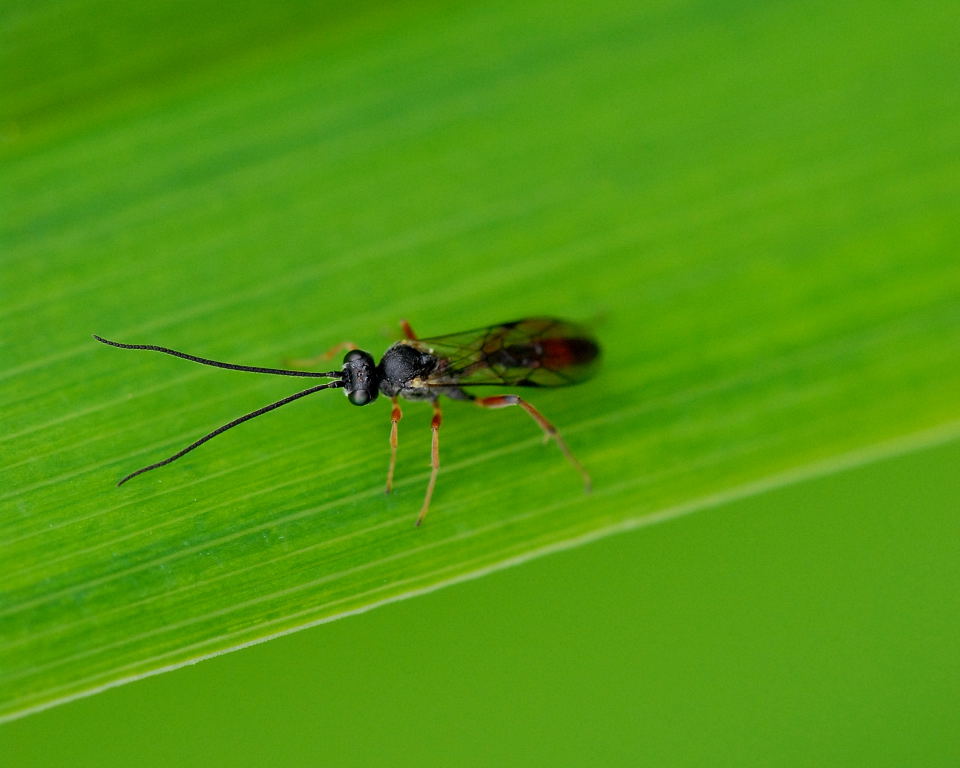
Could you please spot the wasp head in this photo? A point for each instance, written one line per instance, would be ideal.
(360, 381)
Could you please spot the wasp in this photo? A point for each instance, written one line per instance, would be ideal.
(533, 352)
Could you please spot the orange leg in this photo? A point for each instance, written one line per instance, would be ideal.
(408, 331)
(550, 431)
(395, 415)
(434, 461)
(309, 362)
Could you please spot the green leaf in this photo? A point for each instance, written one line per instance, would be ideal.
(756, 207)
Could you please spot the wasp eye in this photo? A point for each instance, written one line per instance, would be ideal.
(359, 397)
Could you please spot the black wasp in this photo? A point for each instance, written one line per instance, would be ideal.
(534, 352)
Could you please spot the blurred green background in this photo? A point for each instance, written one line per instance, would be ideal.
(755, 204)
(815, 625)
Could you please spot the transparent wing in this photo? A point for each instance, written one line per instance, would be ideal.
(533, 352)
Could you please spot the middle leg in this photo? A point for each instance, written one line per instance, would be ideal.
(434, 461)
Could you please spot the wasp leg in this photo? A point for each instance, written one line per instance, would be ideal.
(550, 431)
(434, 461)
(395, 415)
(407, 331)
(309, 362)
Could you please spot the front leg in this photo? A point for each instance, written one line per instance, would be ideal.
(304, 363)
(395, 415)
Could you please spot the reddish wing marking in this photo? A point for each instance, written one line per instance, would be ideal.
(559, 354)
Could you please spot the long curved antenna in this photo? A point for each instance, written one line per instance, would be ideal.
(218, 364)
(235, 422)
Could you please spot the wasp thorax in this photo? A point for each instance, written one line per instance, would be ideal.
(401, 365)
(360, 377)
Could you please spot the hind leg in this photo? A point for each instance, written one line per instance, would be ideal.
(550, 431)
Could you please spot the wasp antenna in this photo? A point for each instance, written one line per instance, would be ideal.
(231, 425)
(218, 364)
